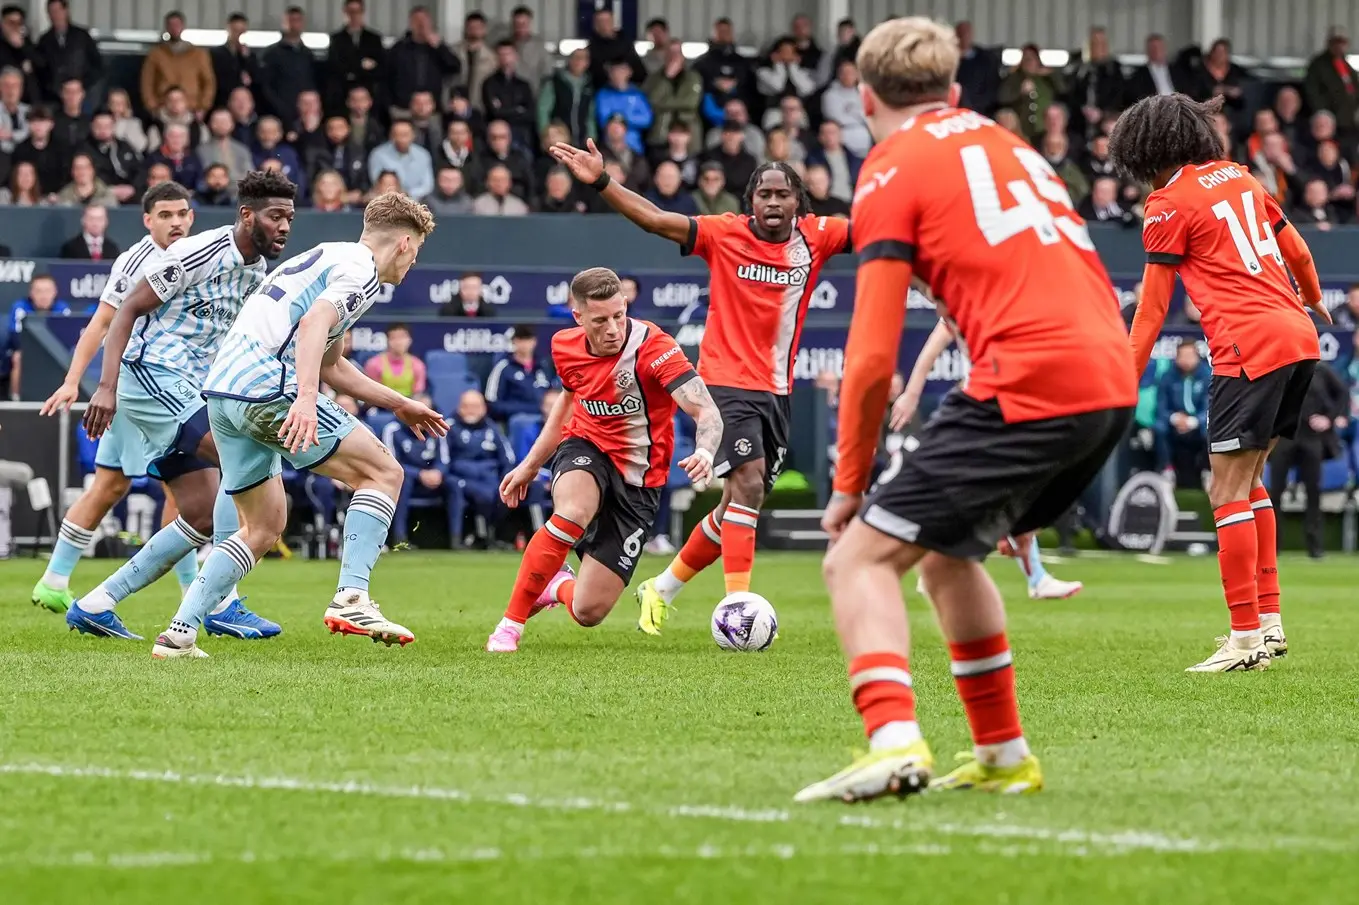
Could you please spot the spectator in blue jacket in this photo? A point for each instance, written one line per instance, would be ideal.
(622, 98)
(517, 381)
(479, 457)
(1181, 406)
(42, 299)
(269, 145)
(428, 477)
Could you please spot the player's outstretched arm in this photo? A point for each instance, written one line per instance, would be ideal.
(588, 167)
(696, 402)
(903, 410)
(85, 349)
(141, 300)
(1298, 257)
(1158, 285)
(344, 376)
(515, 484)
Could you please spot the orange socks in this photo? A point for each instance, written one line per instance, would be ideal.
(701, 550)
(1266, 552)
(985, 675)
(738, 545)
(1236, 559)
(543, 558)
(881, 685)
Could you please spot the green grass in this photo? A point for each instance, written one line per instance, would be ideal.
(603, 766)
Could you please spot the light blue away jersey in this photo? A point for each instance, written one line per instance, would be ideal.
(201, 281)
(127, 270)
(258, 359)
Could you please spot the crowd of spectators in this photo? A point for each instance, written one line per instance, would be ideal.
(465, 124)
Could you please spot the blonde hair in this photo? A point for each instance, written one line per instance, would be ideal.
(397, 210)
(909, 61)
(595, 284)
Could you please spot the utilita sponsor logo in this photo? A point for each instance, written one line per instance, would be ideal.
(89, 286)
(777, 276)
(630, 405)
(676, 295)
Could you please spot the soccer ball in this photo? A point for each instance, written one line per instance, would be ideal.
(744, 621)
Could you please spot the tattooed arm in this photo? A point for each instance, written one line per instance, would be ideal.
(693, 397)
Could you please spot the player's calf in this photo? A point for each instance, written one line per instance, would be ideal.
(740, 521)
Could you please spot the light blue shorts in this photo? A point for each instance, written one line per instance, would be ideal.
(169, 411)
(248, 444)
(123, 448)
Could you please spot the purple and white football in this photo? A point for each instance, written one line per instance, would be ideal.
(744, 621)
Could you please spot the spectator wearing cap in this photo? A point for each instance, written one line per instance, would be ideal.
(498, 200)
(69, 52)
(507, 96)
(420, 61)
(732, 155)
(51, 160)
(568, 97)
(607, 47)
(711, 196)
(534, 62)
(500, 152)
(978, 72)
(824, 204)
(658, 33)
(518, 381)
(786, 75)
(723, 61)
(288, 66)
(475, 60)
(450, 195)
(839, 161)
(668, 192)
(618, 146)
(175, 61)
(1332, 83)
(679, 149)
(736, 115)
(18, 52)
(717, 94)
(620, 98)
(356, 57)
(675, 94)
(841, 103)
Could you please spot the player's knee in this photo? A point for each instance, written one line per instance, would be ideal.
(589, 613)
(385, 474)
(938, 572)
(838, 563)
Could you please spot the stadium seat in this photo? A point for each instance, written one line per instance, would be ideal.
(439, 363)
(448, 389)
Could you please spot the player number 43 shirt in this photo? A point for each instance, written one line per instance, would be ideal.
(622, 402)
(1217, 226)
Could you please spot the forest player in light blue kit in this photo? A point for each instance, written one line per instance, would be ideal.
(264, 405)
(180, 311)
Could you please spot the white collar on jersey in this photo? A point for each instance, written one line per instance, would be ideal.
(923, 110)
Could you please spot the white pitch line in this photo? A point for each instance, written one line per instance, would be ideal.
(1069, 841)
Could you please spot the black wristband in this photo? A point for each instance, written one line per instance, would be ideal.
(601, 183)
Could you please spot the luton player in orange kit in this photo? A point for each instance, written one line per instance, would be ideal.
(950, 197)
(610, 436)
(764, 267)
(1211, 222)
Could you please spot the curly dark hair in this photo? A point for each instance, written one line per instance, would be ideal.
(804, 201)
(1165, 133)
(257, 188)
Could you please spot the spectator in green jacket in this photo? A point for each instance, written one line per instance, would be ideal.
(1056, 149)
(712, 196)
(675, 93)
(1029, 90)
(568, 96)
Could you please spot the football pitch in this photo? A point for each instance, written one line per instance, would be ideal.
(604, 766)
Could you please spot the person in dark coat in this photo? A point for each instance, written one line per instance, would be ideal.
(234, 64)
(1332, 84)
(68, 52)
(356, 57)
(428, 477)
(1096, 88)
(1156, 76)
(504, 95)
(1323, 417)
(420, 61)
(607, 46)
(479, 457)
(289, 67)
(17, 51)
(978, 72)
